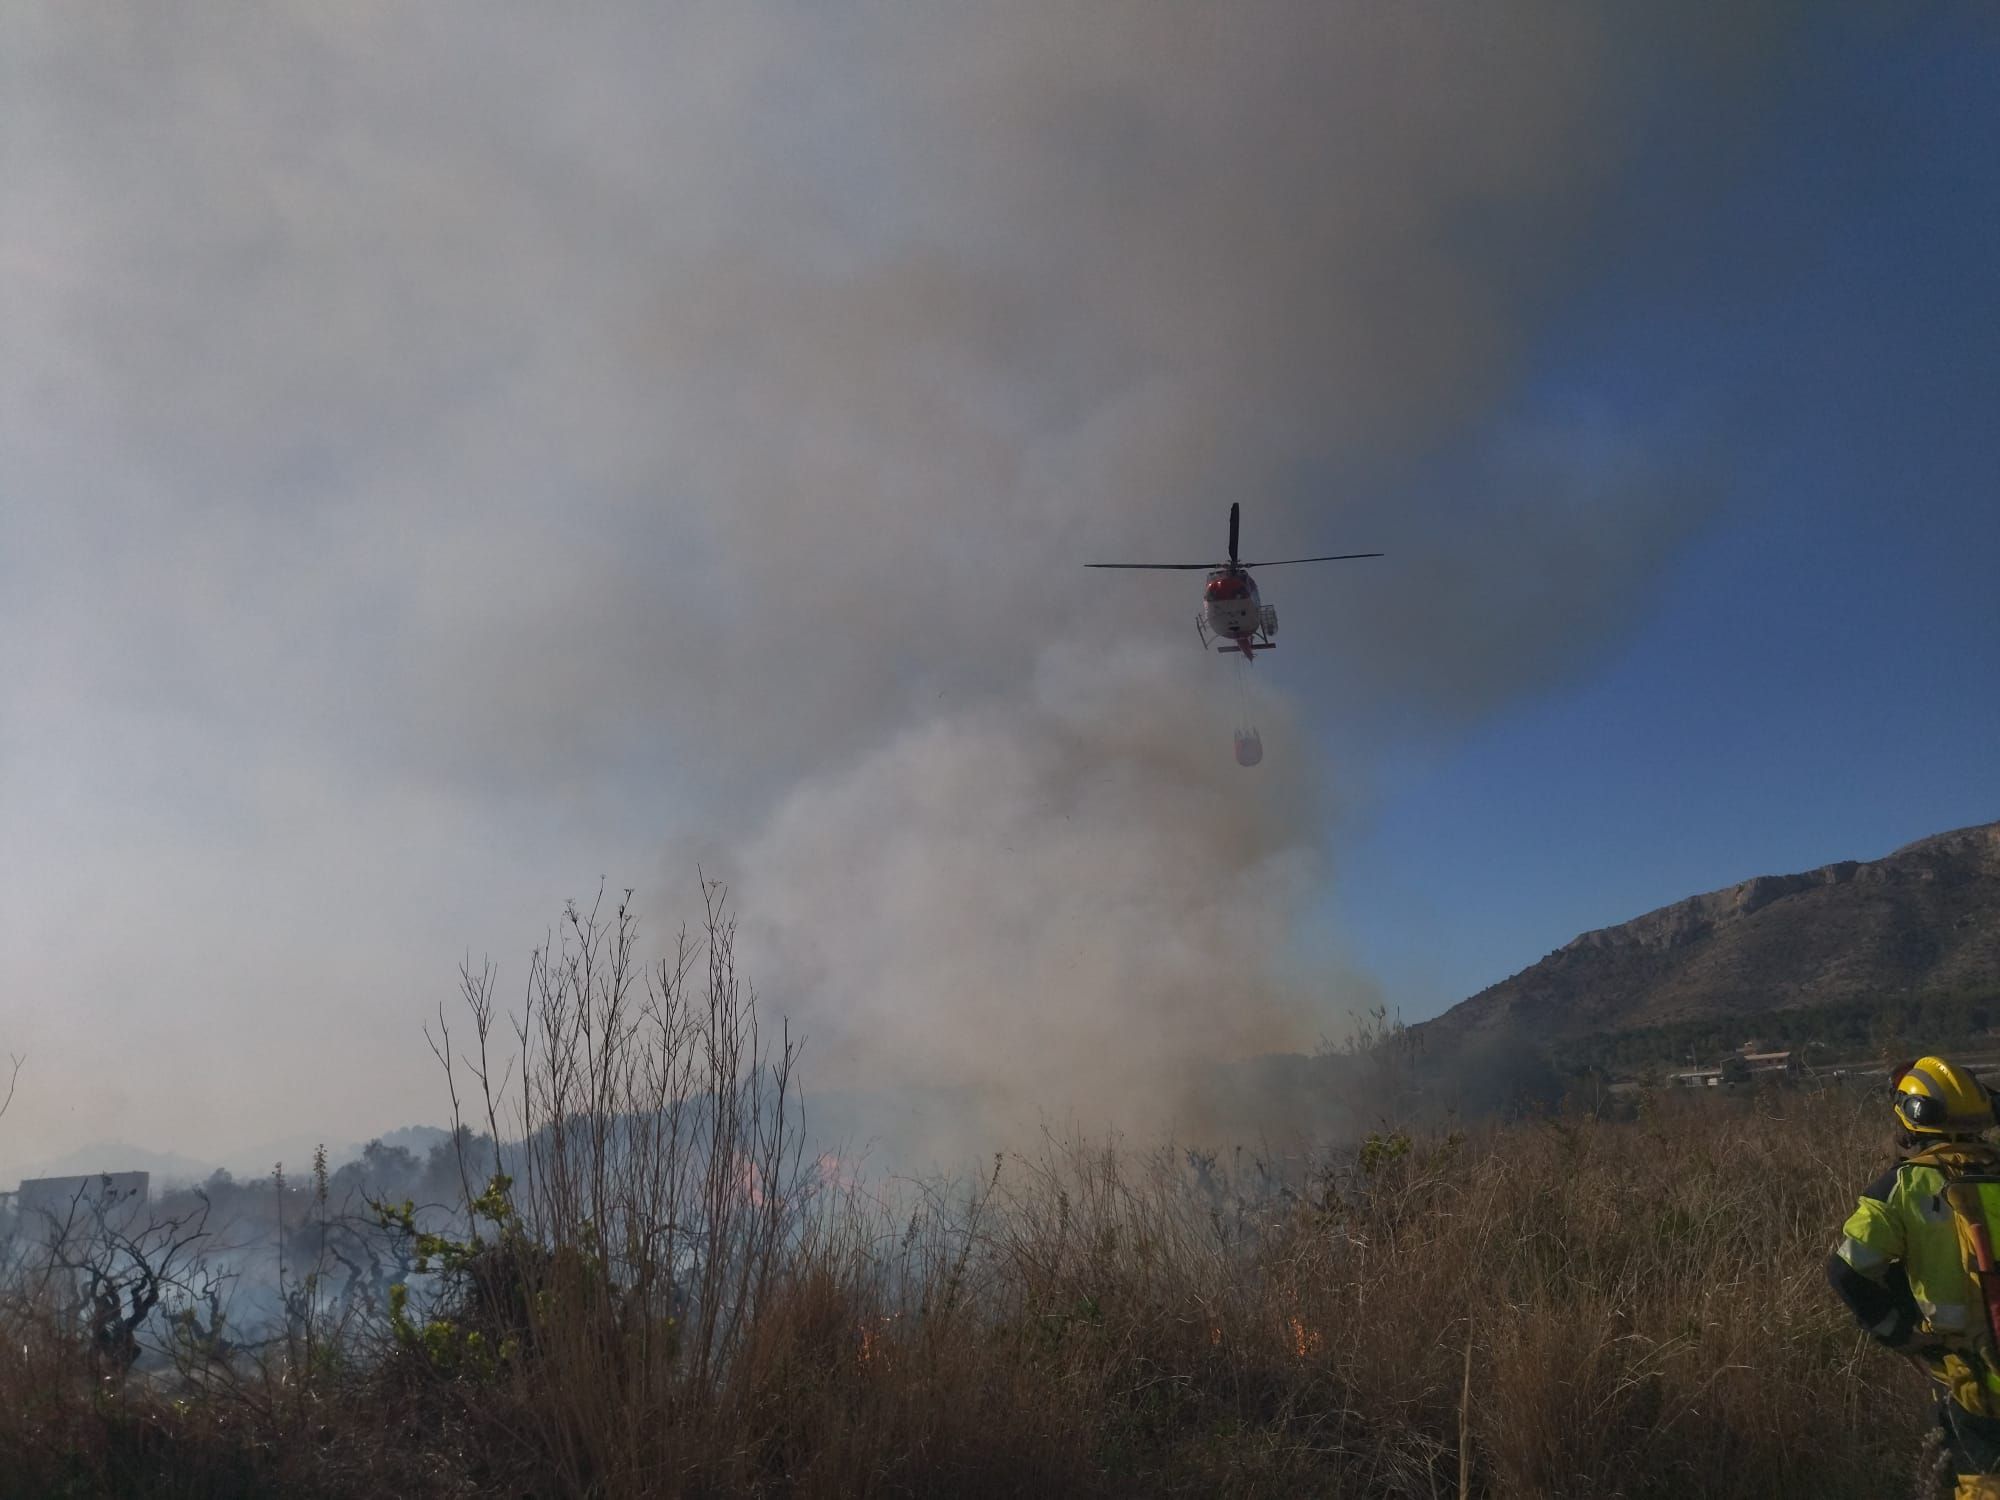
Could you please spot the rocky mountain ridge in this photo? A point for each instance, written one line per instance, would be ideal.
(1922, 920)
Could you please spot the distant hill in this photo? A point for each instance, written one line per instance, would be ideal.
(415, 1139)
(1925, 921)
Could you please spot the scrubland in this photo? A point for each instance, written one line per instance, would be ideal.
(662, 1293)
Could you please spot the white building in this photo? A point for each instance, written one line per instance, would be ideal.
(58, 1206)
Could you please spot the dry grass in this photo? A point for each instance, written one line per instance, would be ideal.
(1553, 1308)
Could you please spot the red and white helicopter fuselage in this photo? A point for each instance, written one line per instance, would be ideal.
(1232, 613)
(1232, 617)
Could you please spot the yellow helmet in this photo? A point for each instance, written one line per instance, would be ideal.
(1934, 1097)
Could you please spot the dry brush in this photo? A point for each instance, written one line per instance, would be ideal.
(653, 1288)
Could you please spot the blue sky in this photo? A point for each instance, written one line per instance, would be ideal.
(452, 457)
(1819, 678)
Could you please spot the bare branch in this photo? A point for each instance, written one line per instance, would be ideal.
(13, 1078)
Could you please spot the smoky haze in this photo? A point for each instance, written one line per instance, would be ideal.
(456, 453)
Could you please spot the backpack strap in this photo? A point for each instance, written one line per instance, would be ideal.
(1967, 1170)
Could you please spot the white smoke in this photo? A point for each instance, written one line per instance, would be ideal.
(461, 447)
(1065, 900)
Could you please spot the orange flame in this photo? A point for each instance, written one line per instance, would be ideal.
(872, 1342)
(1306, 1342)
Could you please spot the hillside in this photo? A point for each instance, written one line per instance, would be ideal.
(1923, 921)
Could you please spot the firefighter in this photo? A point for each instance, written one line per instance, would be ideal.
(1915, 1263)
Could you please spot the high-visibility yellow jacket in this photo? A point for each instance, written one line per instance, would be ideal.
(1908, 1265)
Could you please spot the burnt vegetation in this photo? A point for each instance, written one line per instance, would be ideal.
(623, 1274)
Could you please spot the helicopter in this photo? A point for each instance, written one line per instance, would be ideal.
(1231, 612)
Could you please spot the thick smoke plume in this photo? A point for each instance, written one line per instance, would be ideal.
(471, 448)
(1062, 899)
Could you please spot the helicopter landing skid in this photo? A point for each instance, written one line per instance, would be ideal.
(1258, 642)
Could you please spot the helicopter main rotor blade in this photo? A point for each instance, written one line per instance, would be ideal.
(1233, 510)
(1161, 567)
(1279, 562)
